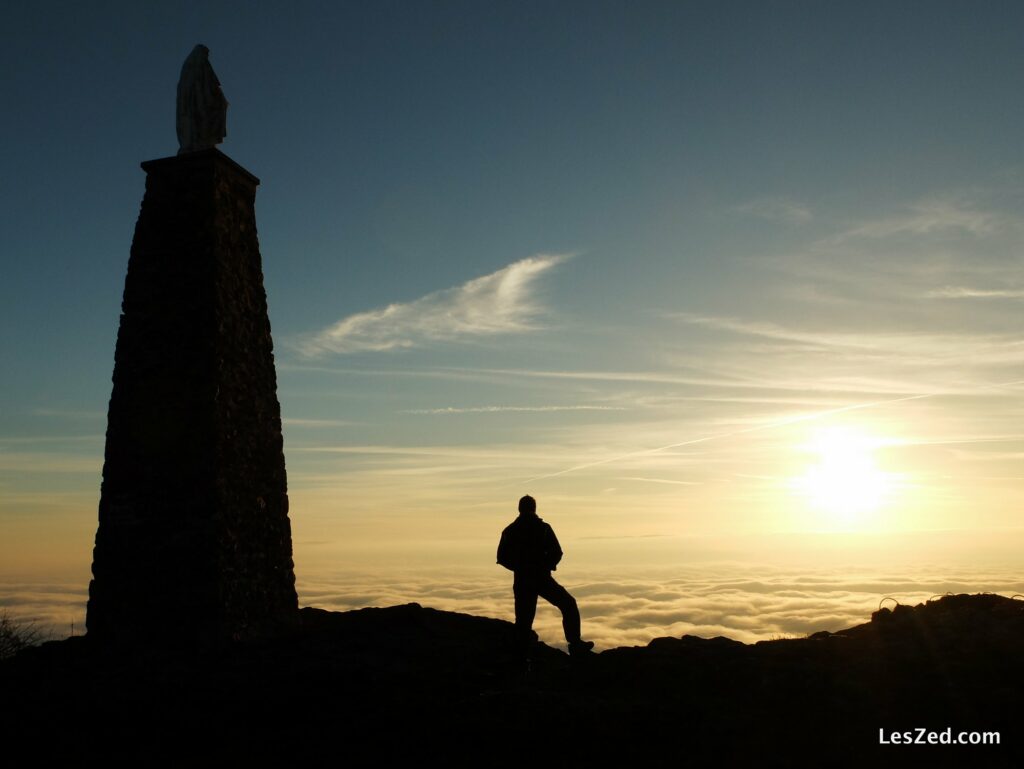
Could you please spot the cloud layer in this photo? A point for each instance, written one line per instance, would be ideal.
(622, 607)
(628, 608)
(500, 303)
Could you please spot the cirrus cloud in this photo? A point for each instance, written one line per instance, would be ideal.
(964, 292)
(502, 302)
(777, 209)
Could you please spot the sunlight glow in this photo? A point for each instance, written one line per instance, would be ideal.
(844, 483)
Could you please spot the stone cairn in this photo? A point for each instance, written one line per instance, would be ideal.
(194, 541)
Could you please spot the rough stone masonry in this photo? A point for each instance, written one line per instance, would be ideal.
(194, 540)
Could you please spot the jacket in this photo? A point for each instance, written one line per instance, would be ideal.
(529, 544)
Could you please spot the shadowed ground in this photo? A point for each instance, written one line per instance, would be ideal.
(414, 682)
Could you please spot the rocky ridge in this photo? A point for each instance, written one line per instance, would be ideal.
(407, 681)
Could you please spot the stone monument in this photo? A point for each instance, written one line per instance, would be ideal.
(202, 109)
(194, 540)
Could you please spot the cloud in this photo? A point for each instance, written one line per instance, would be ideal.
(51, 607)
(68, 414)
(927, 217)
(868, 340)
(503, 302)
(26, 439)
(777, 209)
(835, 354)
(41, 462)
(627, 605)
(877, 266)
(712, 380)
(499, 409)
(748, 603)
(315, 423)
(963, 292)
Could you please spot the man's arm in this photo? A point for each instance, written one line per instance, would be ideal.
(554, 549)
(503, 552)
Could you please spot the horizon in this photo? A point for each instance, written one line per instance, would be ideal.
(733, 291)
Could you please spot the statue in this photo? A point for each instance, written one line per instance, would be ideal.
(202, 108)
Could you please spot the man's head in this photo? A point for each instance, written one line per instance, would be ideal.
(528, 505)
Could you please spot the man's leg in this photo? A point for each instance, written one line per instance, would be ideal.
(525, 592)
(559, 597)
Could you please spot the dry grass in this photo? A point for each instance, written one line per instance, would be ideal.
(16, 635)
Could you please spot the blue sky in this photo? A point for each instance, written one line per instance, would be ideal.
(633, 258)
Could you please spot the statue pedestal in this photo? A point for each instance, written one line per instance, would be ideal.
(194, 541)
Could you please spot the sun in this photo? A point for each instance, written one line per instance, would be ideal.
(844, 483)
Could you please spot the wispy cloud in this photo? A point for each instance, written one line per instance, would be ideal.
(22, 439)
(757, 427)
(720, 376)
(657, 480)
(930, 248)
(921, 348)
(502, 302)
(964, 292)
(68, 414)
(468, 450)
(316, 423)
(499, 409)
(777, 209)
(927, 217)
(42, 462)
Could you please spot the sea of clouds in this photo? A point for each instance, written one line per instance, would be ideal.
(746, 603)
(620, 607)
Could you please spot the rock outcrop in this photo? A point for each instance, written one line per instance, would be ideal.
(412, 683)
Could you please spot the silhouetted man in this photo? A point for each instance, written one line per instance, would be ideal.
(529, 548)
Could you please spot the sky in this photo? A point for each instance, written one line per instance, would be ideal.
(733, 289)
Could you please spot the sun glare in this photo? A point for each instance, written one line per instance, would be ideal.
(844, 483)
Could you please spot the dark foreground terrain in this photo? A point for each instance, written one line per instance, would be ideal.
(364, 688)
